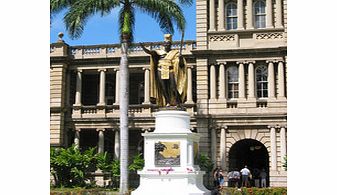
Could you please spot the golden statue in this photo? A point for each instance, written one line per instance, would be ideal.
(168, 80)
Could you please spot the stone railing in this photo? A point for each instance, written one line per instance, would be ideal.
(145, 110)
(114, 50)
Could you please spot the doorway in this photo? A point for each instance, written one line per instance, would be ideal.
(252, 153)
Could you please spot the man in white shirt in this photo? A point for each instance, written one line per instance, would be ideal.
(245, 174)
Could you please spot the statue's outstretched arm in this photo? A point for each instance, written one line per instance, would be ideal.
(146, 50)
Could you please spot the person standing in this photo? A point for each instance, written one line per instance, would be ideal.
(216, 177)
(231, 178)
(256, 177)
(221, 179)
(263, 176)
(236, 177)
(245, 174)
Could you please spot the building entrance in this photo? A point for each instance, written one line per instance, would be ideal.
(252, 153)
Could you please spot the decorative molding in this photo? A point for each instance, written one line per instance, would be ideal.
(215, 38)
(270, 35)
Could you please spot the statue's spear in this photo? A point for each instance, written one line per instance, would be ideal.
(181, 44)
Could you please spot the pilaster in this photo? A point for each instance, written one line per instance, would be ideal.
(221, 22)
(240, 12)
(250, 14)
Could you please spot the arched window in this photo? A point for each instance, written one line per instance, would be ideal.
(260, 14)
(231, 16)
(233, 82)
(262, 81)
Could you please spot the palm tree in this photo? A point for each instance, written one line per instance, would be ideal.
(165, 12)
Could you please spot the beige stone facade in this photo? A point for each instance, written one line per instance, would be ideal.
(237, 92)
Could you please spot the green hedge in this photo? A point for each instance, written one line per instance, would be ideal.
(254, 191)
(82, 191)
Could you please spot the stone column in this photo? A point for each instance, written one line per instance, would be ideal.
(223, 147)
(102, 87)
(279, 14)
(251, 81)
(241, 81)
(250, 14)
(269, 13)
(221, 15)
(213, 145)
(189, 99)
(271, 80)
(117, 88)
(283, 141)
(146, 86)
(222, 81)
(240, 14)
(213, 82)
(273, 156)
(117, 145)
(78, 88)
(281, 83)
(77, 138)
(100, 140)
(212, 15)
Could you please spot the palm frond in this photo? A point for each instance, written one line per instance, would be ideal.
(82, 10)
(185, 2)
(58, 5)
(164, 12)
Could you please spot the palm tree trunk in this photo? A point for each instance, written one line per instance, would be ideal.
(123, 108)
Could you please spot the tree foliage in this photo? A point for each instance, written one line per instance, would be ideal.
(167, 13)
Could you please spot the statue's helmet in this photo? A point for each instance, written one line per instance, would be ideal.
(168, 38)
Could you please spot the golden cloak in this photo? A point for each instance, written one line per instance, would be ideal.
(180, 76)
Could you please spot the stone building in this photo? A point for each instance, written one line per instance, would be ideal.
(237, 88)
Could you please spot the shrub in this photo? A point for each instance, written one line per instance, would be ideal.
(205, 163)
(254, 191)
(69, 166)
(137, 163)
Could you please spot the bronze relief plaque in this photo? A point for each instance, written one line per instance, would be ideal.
(167, 153)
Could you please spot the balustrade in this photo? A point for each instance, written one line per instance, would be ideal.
(92, 111)
(93, 51)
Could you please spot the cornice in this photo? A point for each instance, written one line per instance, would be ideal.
(241, 52)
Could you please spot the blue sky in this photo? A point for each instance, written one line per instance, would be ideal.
(104, 30)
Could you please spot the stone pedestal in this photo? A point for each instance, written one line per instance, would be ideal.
(169, 154)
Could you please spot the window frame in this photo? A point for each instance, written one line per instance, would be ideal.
(232, 86)
(231, 19)
(262, 83)
(262, 15)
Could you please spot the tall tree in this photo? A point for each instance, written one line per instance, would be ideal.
(166, 12)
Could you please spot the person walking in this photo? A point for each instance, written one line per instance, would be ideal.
(263, 176)
(245, 174)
